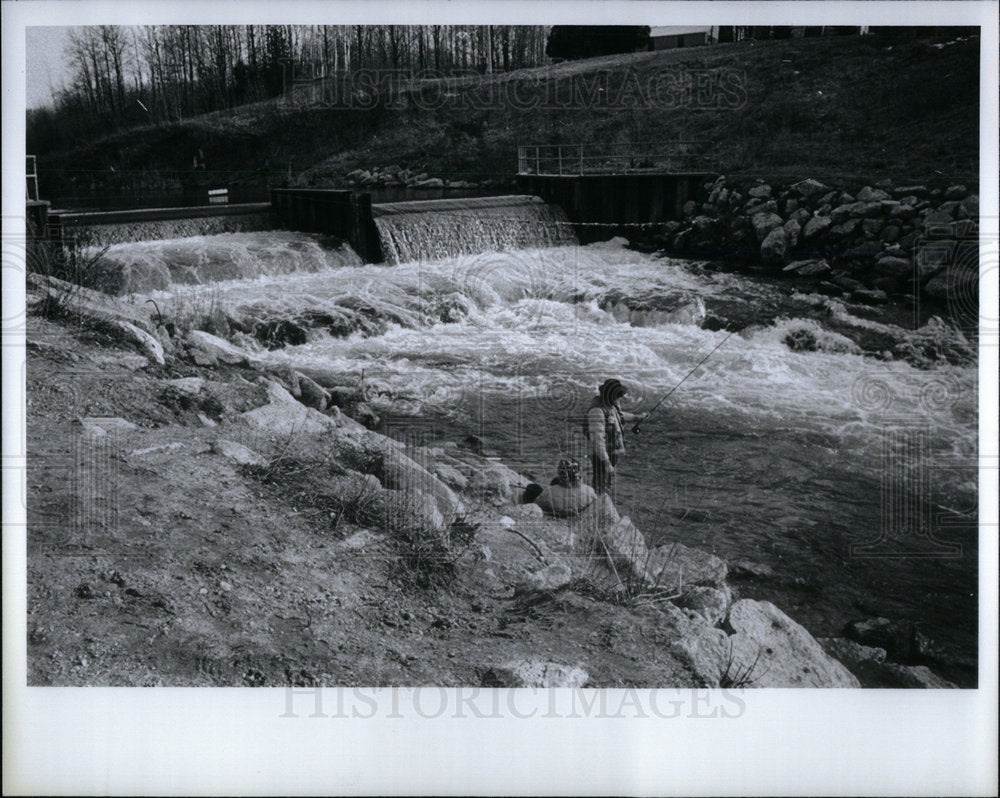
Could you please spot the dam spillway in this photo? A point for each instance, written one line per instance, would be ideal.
(435, 229)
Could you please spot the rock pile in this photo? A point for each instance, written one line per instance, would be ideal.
(870, 243)
(397, 176)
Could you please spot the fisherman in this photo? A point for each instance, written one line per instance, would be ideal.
(605, 427)
(566, 495)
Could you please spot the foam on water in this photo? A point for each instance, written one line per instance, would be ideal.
(143, 266)
(536, 322)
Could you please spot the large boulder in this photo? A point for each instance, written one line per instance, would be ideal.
(846, 228)
(288, 419)
(959, 283)
(208, 349)
(771, 650)
(937, 218)
(919, 676)
(842, 212)
(902, 212)
(802, 215)
(808, 187)
(901, 640)
(869, 194)
(851, 653)
(493, 482)
(866, 210)
(676, 565)
(711, 603)
(88, 304)
(147, 342)
(626, 547)
(869, 665)
(808, 268)
(906, 191)
(764, 222)
(953, 209)
(816, 226)
(451, 476)
(276, 392)
(702, 223)
(895, 266)
(955, 192)
(970, 207)
(792, 232)
(312, 393)
(774, 247)
(400, 472)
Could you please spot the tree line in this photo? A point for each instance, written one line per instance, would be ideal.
(127, 76)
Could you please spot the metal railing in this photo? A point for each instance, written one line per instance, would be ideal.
(31, 172)
(662, 157)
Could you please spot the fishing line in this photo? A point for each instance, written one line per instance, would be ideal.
(635, 429)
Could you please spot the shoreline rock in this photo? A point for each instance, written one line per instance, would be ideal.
(892, 241)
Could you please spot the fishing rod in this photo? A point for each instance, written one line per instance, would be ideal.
(635, 429)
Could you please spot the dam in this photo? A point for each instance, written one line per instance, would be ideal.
(596, 196)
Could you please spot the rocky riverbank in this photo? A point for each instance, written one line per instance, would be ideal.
(867, 243)
(199, 518)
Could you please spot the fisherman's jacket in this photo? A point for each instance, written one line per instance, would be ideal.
(605, 427)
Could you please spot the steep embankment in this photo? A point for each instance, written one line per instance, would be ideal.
(822, 108)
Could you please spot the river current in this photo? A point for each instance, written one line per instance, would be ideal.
(852, 477)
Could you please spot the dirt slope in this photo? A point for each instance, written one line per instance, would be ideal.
(836, 106)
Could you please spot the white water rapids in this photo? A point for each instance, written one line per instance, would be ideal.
(765, 453)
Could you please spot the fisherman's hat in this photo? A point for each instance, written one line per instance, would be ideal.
(612, 390)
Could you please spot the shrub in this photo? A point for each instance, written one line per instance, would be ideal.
(77, 267)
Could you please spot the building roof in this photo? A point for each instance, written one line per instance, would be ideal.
(668, 30)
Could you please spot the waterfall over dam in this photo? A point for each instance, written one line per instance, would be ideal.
(140, 251)
(432, 229)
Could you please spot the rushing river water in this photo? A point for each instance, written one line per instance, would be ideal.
(853, 478)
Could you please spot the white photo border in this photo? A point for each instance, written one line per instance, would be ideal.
(245, 741)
